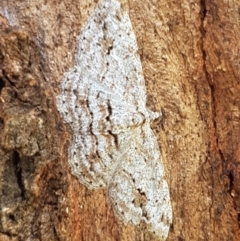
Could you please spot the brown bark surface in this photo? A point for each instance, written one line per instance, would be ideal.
(190, 57)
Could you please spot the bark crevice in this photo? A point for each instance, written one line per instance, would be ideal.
(18, 172)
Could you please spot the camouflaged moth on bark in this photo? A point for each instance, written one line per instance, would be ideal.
(103, 99)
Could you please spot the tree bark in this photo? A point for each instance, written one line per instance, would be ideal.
(190, 56)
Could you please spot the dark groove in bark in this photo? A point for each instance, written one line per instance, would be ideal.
(2, 84)
(18, 172)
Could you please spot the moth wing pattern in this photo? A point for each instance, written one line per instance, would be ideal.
(138, 190)
(103, 99)
(107, 50)
(99, 120)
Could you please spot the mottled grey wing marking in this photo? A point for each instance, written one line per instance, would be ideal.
(97, 117)
(107, 50)
(137, 190)
(103, 99)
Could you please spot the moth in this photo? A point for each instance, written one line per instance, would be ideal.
(103, 99)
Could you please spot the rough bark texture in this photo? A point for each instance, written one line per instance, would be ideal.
(190, 57)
